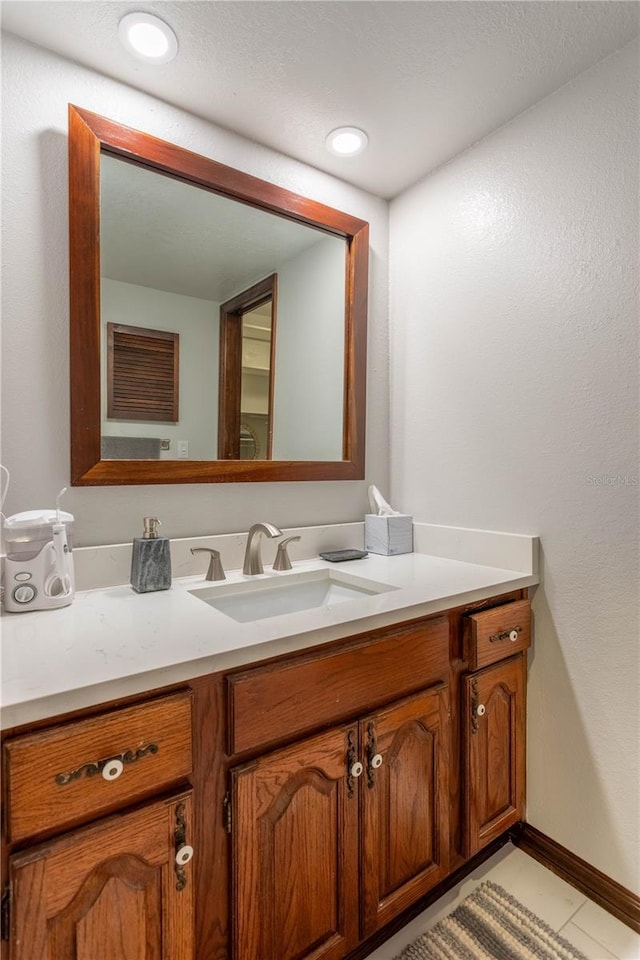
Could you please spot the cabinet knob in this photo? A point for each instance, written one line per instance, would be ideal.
(356, 769)
(480, 710)
(513, 635)
(184, 854)
(112, 769)
(376, 761)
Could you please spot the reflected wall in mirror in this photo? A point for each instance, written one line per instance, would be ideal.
(267, 291)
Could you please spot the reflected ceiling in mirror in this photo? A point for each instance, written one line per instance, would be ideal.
(167, 240)
(170, 255)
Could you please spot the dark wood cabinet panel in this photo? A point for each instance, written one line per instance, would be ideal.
(405, 804)
(55, 778)
(295, 853)
(494, 750)
(279, 701)
(498, 633)
(106, 891)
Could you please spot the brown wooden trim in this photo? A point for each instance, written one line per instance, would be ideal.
(272, 366)
(378, 938)
(230, 365)
(89, 134)
(356, 350)
(600, 888)
(84, 294)
(122, 141)
(229, 385)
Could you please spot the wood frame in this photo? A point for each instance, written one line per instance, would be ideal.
(230, 365)
(89, 136)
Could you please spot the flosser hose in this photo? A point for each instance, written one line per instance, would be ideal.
(59, 582)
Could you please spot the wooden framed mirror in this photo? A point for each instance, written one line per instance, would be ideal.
(144, 253)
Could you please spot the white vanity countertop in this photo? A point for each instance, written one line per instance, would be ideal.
(113, 642)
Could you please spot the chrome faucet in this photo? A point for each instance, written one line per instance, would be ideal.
(252, 557)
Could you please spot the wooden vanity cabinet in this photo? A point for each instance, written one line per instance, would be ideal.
(338, 833)
(404, 795)
(494, 718)
(295, 852)
(324, 792)
(494, 749)
(115, 886)
(107, 892)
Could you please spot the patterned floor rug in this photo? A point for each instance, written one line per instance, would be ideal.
(491, 925)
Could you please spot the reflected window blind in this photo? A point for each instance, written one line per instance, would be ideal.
(142, 373)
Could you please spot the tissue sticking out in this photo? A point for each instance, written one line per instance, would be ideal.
(386, 531)
(378, 505)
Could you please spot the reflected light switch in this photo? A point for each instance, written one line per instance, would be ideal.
(183, 449)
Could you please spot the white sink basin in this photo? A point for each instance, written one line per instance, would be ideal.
(277, 596)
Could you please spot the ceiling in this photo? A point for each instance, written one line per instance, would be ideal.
(424, 78)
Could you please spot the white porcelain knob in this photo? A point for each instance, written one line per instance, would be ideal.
(513, 635)
(184, 854)
(356, 769)
(112, 769)
(480, 710)
(376, 761)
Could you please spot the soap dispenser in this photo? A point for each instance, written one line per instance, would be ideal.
(150, 559)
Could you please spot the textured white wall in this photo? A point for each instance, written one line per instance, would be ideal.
(36, 88)
(514, 395)
(310, 325)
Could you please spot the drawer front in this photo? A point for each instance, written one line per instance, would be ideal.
(75, 771)
(496, 634)
(277, 702)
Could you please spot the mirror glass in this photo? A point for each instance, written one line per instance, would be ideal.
(218, 322)
(171, 254)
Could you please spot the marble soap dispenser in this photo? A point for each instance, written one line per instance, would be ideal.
(150, 559)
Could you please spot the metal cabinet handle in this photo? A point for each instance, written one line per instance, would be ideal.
(511, 634)
(110, 767)
(183, 852)
(354, 767)
(374, 759)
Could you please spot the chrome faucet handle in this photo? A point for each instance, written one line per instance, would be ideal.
(282, 561)
(215, 571)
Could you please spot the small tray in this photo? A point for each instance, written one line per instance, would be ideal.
(339, 556)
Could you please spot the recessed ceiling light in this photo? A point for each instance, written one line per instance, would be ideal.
(147, 37)
(347, 141)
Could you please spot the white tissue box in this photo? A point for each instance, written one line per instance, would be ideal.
(388, 535)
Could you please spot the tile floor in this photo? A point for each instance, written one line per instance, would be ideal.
(590, 928)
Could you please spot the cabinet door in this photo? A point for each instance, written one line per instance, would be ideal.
(494, 749)
(295, 852)
(405, 804)
(112, 891)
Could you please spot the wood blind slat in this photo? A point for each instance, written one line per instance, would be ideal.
(142, 373)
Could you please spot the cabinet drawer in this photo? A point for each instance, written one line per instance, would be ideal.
(279, 701)
(75, 771)
(495, 634)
